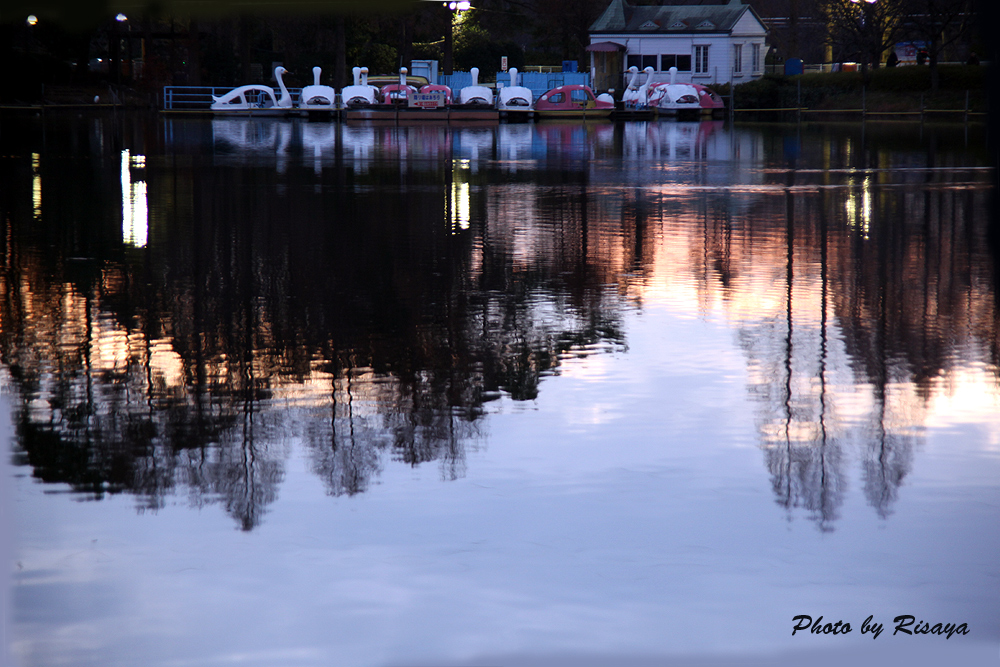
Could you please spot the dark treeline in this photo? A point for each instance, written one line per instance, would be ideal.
(155, 47)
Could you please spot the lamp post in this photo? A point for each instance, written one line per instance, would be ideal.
(454, 7)
(115, 47)
(31, 22)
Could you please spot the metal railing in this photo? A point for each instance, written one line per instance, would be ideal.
(199, 98)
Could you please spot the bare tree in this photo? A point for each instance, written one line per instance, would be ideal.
(864, 29)
(939, 24)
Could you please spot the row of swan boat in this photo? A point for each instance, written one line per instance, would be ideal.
(669, 97)
(512, 101)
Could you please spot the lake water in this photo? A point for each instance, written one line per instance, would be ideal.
(291, 393)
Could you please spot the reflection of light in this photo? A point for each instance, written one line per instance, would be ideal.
(36, 186)
(459, 205)
(860, 216)
(866, 204)
(967, 396)
(166, 363)
(135, 215)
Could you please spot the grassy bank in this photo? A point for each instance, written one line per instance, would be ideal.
(898, 89)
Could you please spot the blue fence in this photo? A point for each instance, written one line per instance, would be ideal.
(200, 97)
(537, 82)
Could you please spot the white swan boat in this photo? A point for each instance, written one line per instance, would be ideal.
(514, 100)
(255, 99)
(475, 95)
(317, 98)
(360, 94)
(631, 95)
(690, 99)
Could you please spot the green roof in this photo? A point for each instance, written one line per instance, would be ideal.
(673, 16)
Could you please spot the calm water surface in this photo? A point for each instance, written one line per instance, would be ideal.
(290, 393)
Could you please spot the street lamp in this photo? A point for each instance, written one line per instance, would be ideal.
(455, 7)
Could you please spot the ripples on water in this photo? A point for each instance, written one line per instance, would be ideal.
(662, 324)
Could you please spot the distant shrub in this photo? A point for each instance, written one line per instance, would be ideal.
(813, 90)
(764, 93)
(839, 81)
(917, 79)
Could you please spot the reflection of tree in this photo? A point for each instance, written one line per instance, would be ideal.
(789, 353)
(894, 280)
(260, 314)
(273, 306)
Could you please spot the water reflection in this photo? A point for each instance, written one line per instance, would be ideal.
(135, 217)
(367, 291)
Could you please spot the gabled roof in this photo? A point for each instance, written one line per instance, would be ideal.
(673, 16)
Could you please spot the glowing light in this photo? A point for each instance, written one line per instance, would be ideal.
(36, 186)
(32, 19)
(859, 213)
(459, 206)
(135, 212)
(866, 205)
(121, 18)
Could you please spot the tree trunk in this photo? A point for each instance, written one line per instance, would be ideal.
(933, 64)
(115, 53)
(194, 54)
(340, 61)
(245, 47)
(447, 65)
(406, 45)
(793, 29)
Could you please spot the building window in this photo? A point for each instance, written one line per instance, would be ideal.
(640, 62)
(681, 62)
(755, 57)
(700, 59)
(737, 59)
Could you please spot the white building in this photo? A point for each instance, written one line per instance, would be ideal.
(708, 41)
